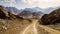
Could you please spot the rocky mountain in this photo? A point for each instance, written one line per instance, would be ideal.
(10, 22)
(3, 12)
(37, 14)
(30, 13)
(49, 10)
(13, 10)
(35, 9)
(52, 18)
(25, 14)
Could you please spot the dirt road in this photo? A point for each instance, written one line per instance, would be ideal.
(33, 29)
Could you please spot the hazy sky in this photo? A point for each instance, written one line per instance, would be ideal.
(30, 3)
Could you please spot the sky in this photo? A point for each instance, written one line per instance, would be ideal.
(20, 4)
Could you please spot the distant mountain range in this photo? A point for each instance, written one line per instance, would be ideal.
(12, 10)
(35, 9)
(32, 12)
(4, 14)
(25, 12)
(48, 10)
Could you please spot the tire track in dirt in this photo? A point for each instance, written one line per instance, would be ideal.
(50, 30)
(31, 29)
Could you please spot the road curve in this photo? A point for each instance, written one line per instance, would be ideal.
(31, 29)
(50, 30)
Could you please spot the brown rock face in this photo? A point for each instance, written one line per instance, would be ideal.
(52, 18)
(3, 13)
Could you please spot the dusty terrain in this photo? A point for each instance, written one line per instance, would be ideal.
(31, 28)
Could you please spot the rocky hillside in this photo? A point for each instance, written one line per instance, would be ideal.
(25, 14)
(30, 14)
(52, 18)
(3, 13)
(8, 22)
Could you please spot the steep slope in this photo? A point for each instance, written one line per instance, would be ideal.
(8, 22)
(3, 12)
(53, 17)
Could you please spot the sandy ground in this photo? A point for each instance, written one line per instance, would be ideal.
(33, 28)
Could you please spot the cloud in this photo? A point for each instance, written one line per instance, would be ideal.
(42, 3)
(9, 2)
